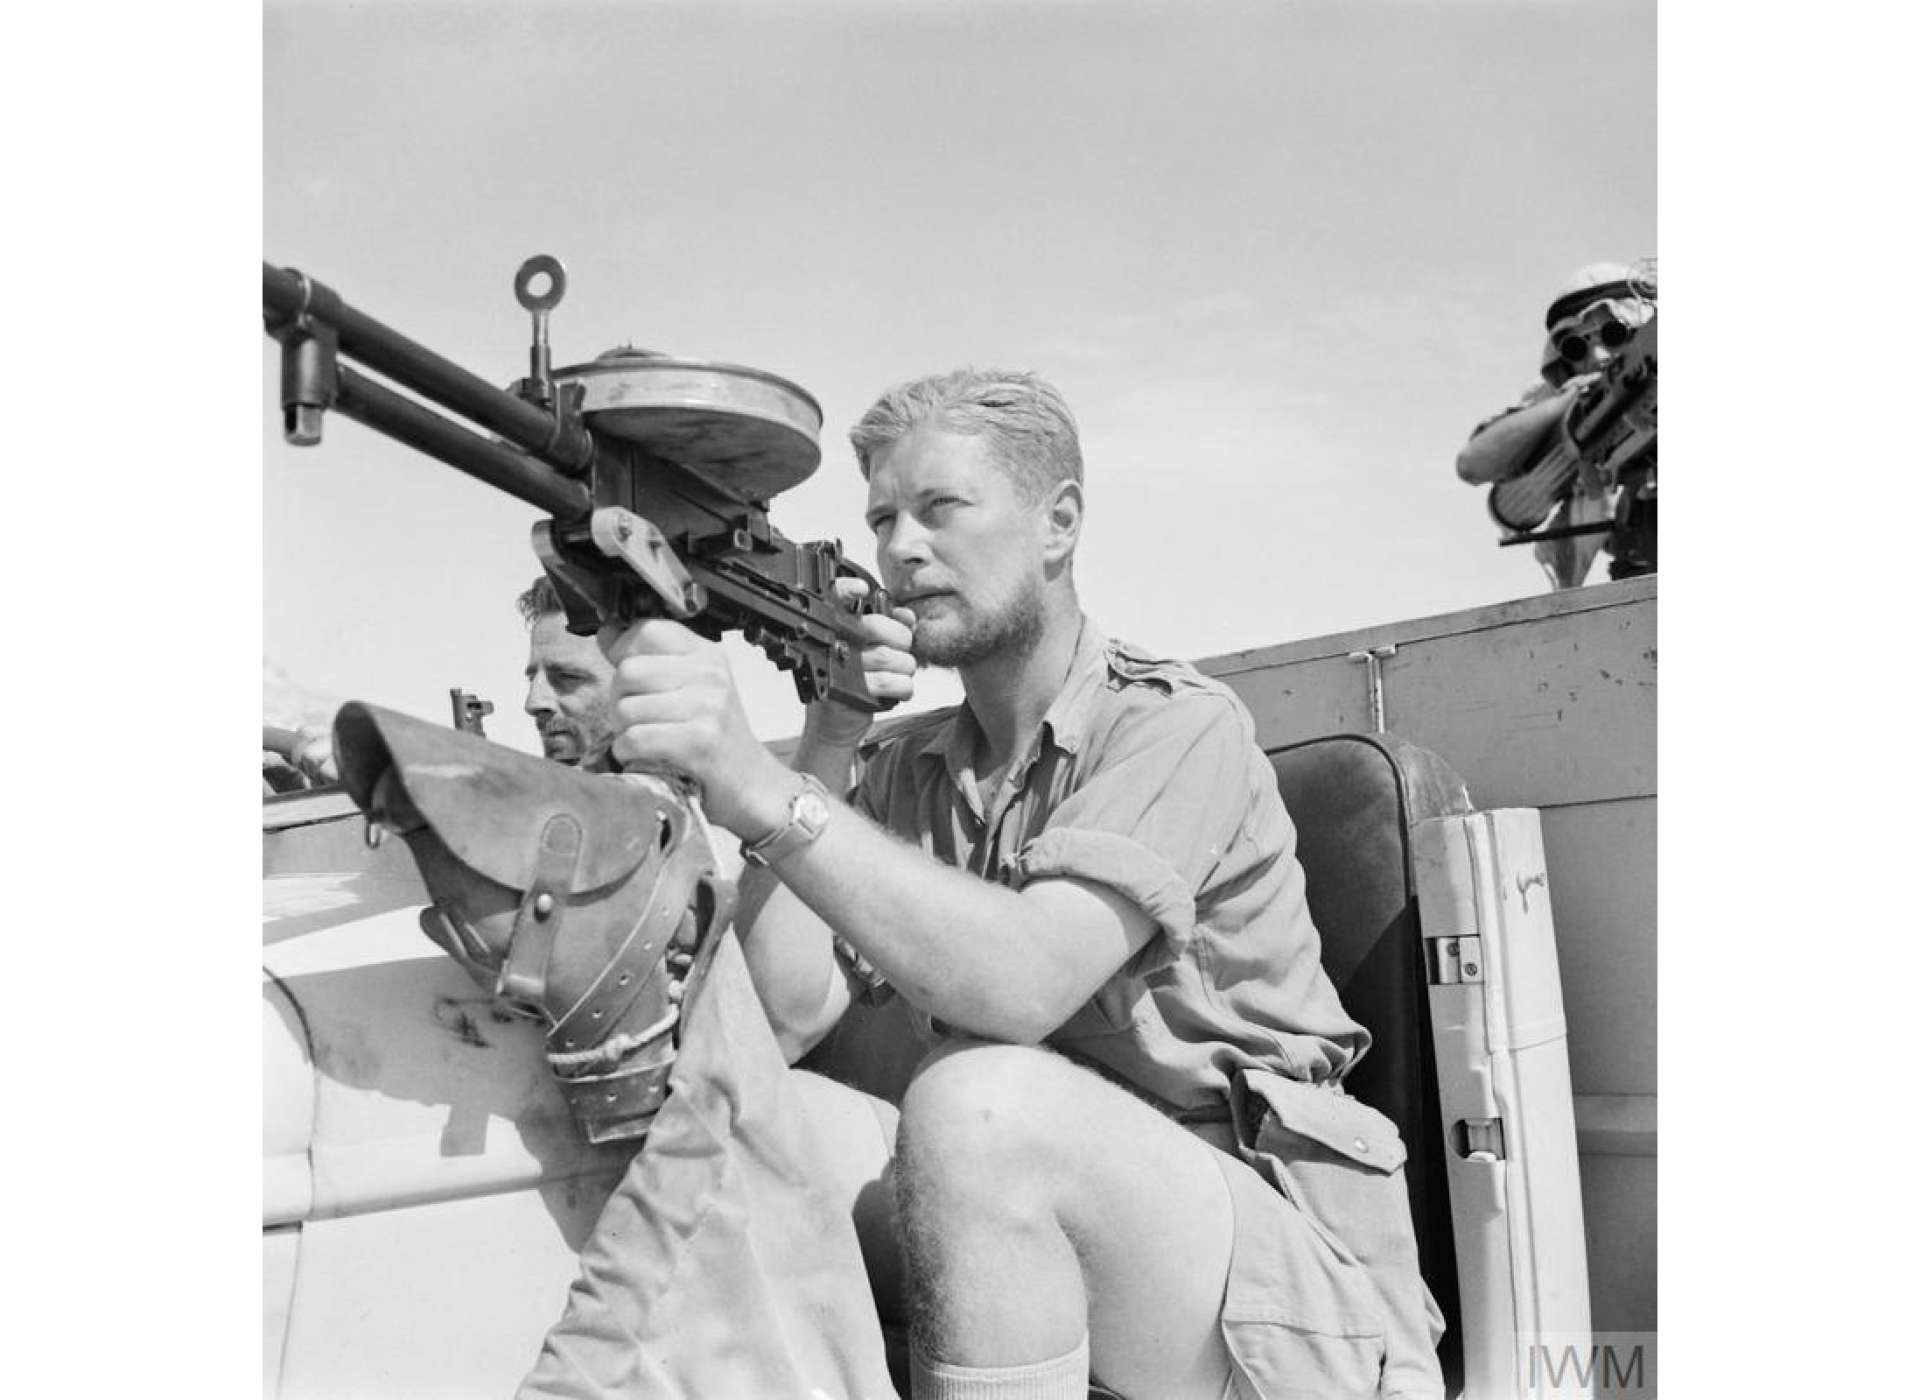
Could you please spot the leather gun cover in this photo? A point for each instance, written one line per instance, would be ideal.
(482, 799)
(560, 891)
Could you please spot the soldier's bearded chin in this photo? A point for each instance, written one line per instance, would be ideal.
(958, 642)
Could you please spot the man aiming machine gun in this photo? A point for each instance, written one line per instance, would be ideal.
(595, 902)
(1093, 844)
(657, 473)
(1573, 466)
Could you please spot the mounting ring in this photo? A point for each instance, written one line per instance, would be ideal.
(535, 266)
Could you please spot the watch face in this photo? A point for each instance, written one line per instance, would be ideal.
(810, 810)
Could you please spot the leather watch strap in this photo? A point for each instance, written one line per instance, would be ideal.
(807, 815)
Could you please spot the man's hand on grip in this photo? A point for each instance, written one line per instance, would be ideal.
(886, 658)
(679, 712)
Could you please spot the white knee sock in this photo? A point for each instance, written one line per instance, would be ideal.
(1063, 1378)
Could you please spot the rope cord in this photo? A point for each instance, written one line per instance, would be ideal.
(615, 1048)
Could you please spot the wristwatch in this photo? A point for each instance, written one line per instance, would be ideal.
(807, 817)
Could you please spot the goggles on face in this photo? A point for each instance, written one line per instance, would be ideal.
(1597, 324)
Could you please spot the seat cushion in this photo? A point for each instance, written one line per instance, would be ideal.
(1354, 799)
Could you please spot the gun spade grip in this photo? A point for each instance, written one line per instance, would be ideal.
(851, 690)
(846, 679)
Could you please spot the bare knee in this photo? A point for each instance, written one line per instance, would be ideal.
(981, 1135)
(975, 1102)
(977, 1199)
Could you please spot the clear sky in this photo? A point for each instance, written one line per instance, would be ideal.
(1279, 257)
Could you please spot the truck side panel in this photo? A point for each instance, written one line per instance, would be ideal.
(1545, 702)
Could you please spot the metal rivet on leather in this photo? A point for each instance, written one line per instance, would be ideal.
(542, 906)
(1359, 1144)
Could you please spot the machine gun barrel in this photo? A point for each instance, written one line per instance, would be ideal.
(291, 298)
(657, 489)
(373, 405)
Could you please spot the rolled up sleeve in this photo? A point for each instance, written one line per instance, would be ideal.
(1154, 818)
(1123, 865)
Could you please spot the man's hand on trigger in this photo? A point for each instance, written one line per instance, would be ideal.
(887, 658)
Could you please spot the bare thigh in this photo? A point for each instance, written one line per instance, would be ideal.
(1153, 1224)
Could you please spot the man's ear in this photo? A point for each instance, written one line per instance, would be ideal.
(1066, 508)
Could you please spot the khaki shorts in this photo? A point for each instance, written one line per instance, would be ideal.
(1301, 1319)
(1303, 1316)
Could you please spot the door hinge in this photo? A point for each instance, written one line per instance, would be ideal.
(1452, 960)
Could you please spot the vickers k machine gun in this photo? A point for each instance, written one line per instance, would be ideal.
(1606, 442)
(590, 901)
(656, 472)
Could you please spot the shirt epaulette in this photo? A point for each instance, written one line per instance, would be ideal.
(1136, 665)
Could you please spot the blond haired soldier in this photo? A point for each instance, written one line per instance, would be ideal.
(1067, 915)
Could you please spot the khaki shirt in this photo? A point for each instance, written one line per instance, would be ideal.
(1144, 777)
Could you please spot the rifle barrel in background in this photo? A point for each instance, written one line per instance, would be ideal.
(469, 712)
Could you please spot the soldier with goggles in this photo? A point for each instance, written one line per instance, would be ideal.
(1588, 324)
